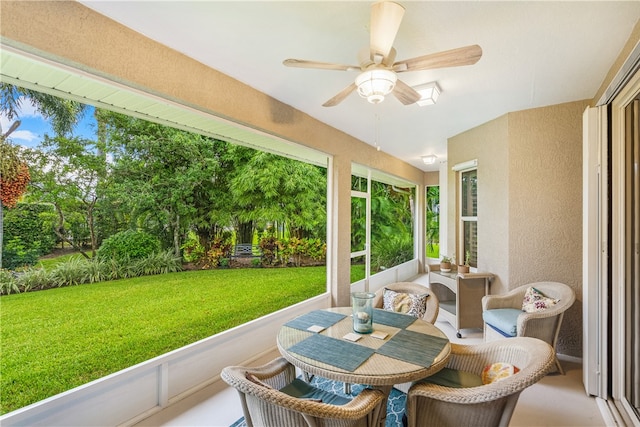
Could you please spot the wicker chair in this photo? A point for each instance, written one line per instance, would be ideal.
(264, 405)
(544, 325)
(433, 305)
(483, 405)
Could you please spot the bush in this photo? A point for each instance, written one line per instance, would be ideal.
(269, 247)
(8, 282)
(392, 251)
(34, 279)
(157, 263)
(17, 253)
(77, 271)
(28, 233)
(128, 245)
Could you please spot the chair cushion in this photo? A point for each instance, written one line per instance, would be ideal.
(453, 378)
(534, 301)
(505, 320)
(400, 302)
(302, 390)
(498, 371)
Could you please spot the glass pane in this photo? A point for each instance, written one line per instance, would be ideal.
(358, 223)
(433, 222)
(470, 249)
(391, 225)
(470, 193)
(357, 268)
(358, 183)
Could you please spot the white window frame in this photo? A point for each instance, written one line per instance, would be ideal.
(461, 168)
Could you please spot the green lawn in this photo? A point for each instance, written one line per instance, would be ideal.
(58, 339)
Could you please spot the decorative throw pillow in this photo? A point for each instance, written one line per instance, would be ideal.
(497, 371)
(534, 301)
(400, 302)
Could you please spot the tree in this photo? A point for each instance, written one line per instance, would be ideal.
(158, 172)
(271, 188)
(64, 114)
(14, 177)
(70, 173)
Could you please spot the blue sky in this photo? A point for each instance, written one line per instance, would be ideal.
(33, 126)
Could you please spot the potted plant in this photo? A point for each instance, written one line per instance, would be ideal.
(464, 268)
(445, 264)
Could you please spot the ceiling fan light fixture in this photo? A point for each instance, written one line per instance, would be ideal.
(429, 93)
(375, 84)
(430, 159)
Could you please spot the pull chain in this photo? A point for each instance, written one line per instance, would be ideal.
(376, 131)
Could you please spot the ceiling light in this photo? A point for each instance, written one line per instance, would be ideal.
(375, 84)
(429, 93)
(430, 159)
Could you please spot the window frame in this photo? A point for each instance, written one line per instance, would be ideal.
(463, 220)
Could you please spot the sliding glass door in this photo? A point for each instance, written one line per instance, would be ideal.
(632, 256)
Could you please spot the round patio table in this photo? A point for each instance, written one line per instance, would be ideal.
(412, 349)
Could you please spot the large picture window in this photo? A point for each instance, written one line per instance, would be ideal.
(382, 222)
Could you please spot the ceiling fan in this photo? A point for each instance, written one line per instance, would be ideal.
(378, 67)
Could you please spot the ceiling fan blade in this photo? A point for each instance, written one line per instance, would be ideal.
(386, 17)
(301, 63)
(340, 96)
(467, 55)
(405, 93)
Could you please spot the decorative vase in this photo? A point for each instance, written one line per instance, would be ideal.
(362, 307)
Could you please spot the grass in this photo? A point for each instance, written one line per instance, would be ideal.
(58, 339)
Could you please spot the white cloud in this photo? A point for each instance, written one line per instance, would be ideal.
(24, 135)
(27, 110)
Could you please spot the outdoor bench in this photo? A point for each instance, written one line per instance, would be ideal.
(246, 250)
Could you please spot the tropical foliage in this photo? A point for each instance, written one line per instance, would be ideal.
(79, 271)
(172, 184)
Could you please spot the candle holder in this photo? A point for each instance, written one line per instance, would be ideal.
(362, 307)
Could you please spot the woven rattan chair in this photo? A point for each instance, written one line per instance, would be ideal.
(264, 404)
(544, 325)
(483, 405)
(433, 305)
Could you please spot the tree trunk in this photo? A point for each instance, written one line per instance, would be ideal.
(176, 236)
(92, 227)
(245, 232)
(62, 234)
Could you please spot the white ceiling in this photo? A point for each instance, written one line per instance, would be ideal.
(534, 54)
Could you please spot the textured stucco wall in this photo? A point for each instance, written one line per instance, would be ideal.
(545, 208)
(529, 202)
(489, 145)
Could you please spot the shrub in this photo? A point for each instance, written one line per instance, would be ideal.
(128, 244)
(17, 253)
(192, 250)
(220, 248)
(28, 233)
(69, 273)
(389, 252)
(8, 282)
(77, 271)
(34, 279)
(157, 263)
(269, 246)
